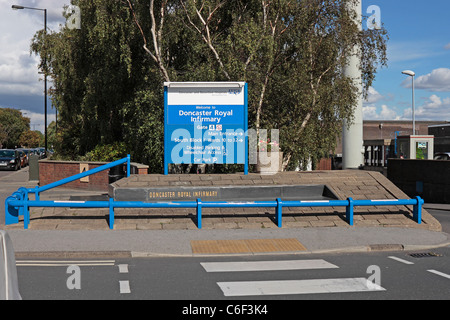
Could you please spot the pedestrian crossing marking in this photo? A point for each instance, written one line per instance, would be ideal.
(245, 246)
(286, 287)
(124, 286)
(313, 286)
(278, 265)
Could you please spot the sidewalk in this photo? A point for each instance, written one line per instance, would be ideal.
(144, 243)
(72, 233)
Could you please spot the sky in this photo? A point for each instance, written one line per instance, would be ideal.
(419, 40)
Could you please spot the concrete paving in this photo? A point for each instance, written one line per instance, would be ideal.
(74, 233)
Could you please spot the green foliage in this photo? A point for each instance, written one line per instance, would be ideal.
(92, 74)
(30, 139)
(108, 76)
(12, 126)
(107, 153)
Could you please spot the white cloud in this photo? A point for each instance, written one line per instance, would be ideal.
(37, 120)
(54, 10)
(18, 70)
(436, 81)
(373, 112)
(370, 113)
(19, 75)
(21, 85)
(434, 108)
(384, 113)
(387, 113)
(447, 46)
(373, 96)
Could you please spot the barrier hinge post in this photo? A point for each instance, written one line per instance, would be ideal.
(25, 208)
(279, 212)
(111, 213)
(36, 193)
(417, 210)
(128, 165)
(349, 211)
(199, 213)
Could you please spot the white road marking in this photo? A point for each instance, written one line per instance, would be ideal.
(62, 263)
(440, 273)
(123, 268)
(266, 265)
(400, 260)
(124, 286)
(258, 288)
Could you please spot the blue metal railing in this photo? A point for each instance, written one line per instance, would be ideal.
(18, 203)
(55, 184)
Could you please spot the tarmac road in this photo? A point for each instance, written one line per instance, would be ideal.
(263, 278)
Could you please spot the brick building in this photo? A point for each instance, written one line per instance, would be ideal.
(385, 130)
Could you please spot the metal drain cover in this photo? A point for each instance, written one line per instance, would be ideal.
(425, 255)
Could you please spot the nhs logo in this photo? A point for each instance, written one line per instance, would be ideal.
(234, 91)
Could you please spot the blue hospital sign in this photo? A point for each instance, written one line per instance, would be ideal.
(205, 123)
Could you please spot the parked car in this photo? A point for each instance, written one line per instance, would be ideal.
(41, 152)
(9, 159)
(36, 152)
(23, 158)
(442, 156)
(27, 152)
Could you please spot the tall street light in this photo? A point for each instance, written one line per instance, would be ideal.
(16, 7)
(412, 74)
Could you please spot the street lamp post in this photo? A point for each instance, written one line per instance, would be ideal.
(16, 7)
(412, 75)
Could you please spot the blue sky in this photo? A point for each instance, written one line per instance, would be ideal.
(419, 33)
(419, 40)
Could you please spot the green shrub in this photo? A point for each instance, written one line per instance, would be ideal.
(107, 152)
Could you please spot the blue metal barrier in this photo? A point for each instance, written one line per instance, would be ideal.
(107, 166)
(18, 204)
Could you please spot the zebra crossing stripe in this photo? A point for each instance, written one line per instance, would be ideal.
(266, 265)
(287, 287)
(123, 268)
(124, 287)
